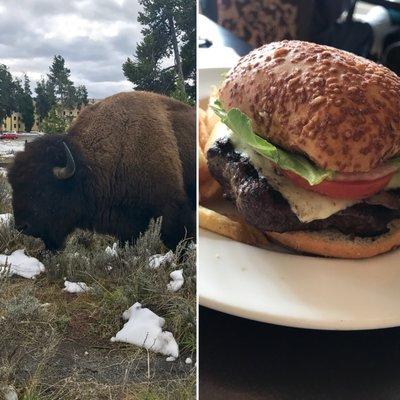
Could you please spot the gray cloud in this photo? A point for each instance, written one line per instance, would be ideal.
(94, 36)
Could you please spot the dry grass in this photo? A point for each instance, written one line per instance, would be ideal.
(55, 345)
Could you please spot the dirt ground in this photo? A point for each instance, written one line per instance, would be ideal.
(56, 345)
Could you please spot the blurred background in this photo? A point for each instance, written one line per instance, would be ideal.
(368, 28)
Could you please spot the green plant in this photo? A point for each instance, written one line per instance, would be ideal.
(55, 121)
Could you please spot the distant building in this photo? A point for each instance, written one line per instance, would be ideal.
(15, 122)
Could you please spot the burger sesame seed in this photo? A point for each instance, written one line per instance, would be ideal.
(317, 101)
(289, 96)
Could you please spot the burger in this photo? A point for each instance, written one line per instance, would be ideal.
(308, 148)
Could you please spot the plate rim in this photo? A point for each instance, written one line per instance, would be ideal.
(288, 320)
(291, 322)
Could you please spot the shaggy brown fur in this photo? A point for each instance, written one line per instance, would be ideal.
(135, 159)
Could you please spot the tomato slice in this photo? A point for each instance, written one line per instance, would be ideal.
(351, 190)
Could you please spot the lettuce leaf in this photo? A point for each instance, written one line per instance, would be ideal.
(240, 124)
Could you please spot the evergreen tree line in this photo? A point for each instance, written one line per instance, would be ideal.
(169, 36)
(169, 33)
(53, 94)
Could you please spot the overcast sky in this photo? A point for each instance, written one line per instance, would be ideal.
(94, 36)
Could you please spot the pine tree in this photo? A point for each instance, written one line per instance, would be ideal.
(55, 122)
(25, 104)
(58, 89)
(59, 78)
(169, 28)
(43, 101)
(7, 93)
(81, 96)
(146, 72)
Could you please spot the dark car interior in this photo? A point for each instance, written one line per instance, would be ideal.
(367, 28)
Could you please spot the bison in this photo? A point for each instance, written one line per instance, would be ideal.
(126, 159)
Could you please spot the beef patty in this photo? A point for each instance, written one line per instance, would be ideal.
(265, 208)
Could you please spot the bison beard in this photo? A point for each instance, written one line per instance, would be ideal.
(133, 159)
(266, 209)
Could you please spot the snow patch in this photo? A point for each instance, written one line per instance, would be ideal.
(177, 280)
(76, 287)
(112, 251)
(20, 264)
(144, 329)
(9, 147)
(170, 358)
(5, 219)
(157, 260)
(9, 393)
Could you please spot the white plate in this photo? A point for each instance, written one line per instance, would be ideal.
(295, 290)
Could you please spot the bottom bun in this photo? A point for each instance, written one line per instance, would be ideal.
(331, 243)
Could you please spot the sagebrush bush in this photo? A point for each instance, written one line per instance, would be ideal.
(37, 319)
(5, 195)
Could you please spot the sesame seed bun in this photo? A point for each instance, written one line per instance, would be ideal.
(340, 110)
(335, 244)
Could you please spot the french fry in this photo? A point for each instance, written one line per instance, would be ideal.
(212, 118)
(203, 103)
(207, 118)
(231, 227)
(204, 133)
(209, 187)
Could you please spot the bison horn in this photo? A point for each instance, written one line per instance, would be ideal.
(67, 171)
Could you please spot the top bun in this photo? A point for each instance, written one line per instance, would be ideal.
(340, 110)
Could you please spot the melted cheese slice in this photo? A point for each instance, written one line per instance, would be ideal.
(308, 206)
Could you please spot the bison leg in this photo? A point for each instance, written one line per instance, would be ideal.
(178, 223)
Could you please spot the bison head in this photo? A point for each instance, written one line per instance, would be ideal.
(45, 185)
